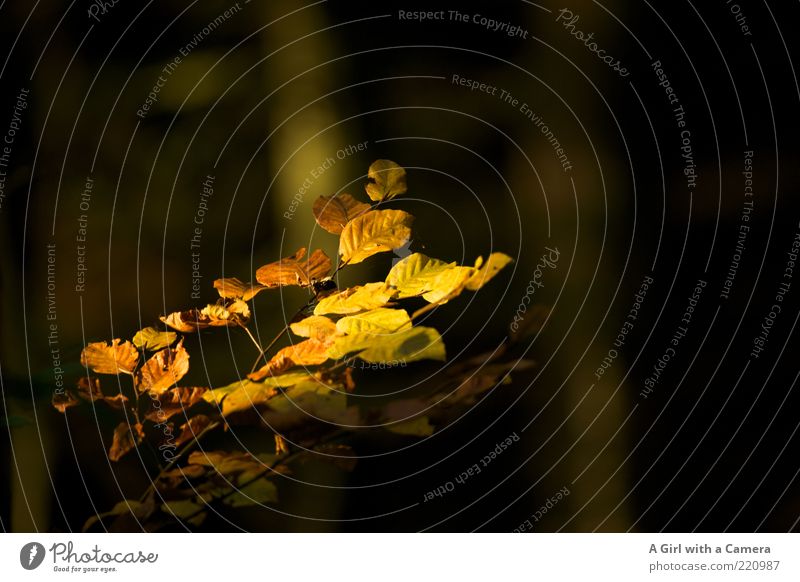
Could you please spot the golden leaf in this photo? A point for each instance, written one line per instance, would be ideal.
(63, 400)
(315, 326)
(375, 232)
(387, 180)
(245, 394)
(435, 280)
(163, 370)
(294, 271)
(229, 313)
(110, 359)
(377, 321)
(409, 345)
(191, 429)
(484, 272)
(310, 352)
(333, 212)
(233, 288)
(152, 339)
(355, 299)
(126, 438)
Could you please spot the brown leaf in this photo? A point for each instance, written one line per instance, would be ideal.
(174, 401)
(110, 359)
(333, 212)
(163, 370)
(225, 314)
(233, 288)
(126, 438)
(191, 429)
(89, 389)
(63, 400)
(295, 271)
(310, 352)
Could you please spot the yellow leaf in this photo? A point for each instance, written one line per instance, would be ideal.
(243, 394)
(375, 232)
(409, 345)
(233, 288)
(387, 180)
(484, 272)
(295, 271)
(163, 370)
(333, 212)
(377, 321)
(152, 339)
(110, 359)
(315, 326)
(435, 280)
(355, 299)
(307, 401)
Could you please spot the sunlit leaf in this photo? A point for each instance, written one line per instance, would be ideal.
(230, 313)
(116, 358)
(306, 401)
(152, 339)
(163, 370)
(485, 271)
(409, 345)
(374, 232)
(310, 352)
(245, 394)
(387, 180)
(63, 400)
(356, 299)
(191, 429)
(294, 270)
(173, 401)
(315, 326)
(126, 438)
(376, 321)
(333, 212)
(233, 288)
(435, 280)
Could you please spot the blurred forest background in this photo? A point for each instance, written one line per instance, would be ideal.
(276, 89)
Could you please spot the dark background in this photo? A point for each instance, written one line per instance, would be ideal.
(275, 90)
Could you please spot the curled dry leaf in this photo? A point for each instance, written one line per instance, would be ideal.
(233, 288)
(374, 232)
(387, 180)
(295, 271)
(116, 358)
(163, 370)
(126, 437)
(152, 339)
(356, 299)
(226, 314)
(173, 401)
(63, 400)
(333, 212)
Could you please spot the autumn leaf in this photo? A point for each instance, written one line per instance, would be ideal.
(233, 288)
(295, 271)
(387, 180)
(420, 426)
(409, 345)
(356, 299)
(333, 212)
(485, 271)
(187, 510)
(375, 232)
(240, 472)
(315, 326)
(376, 321)
(126, 438)
(173, 401)
(163, 370)
(309, 400)
(435, 280)
(110, 359)
(152, 339)
(245, 394)
(310, 352)
(63, 400)
(89, 389)
(229, 313)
